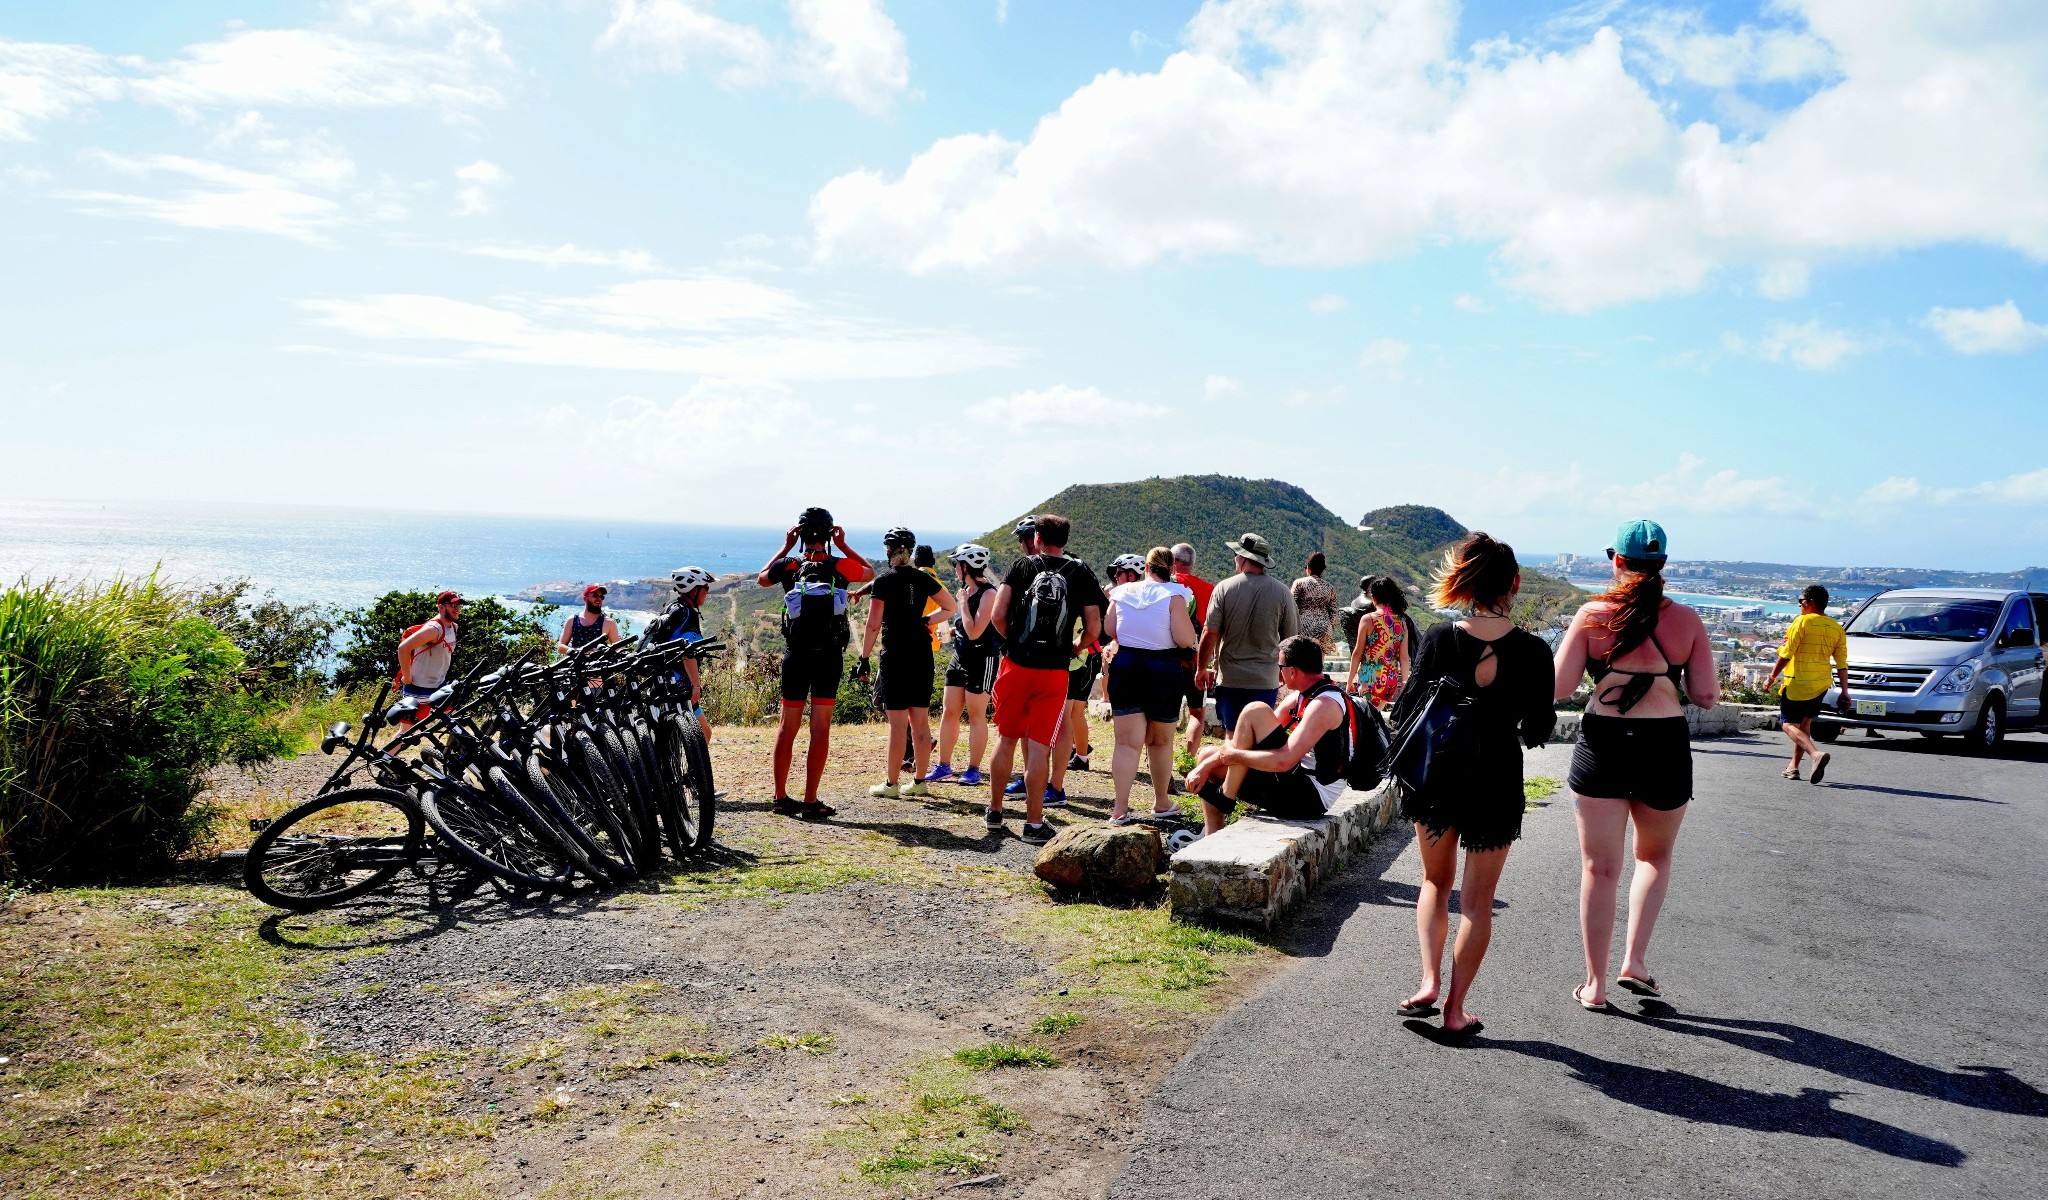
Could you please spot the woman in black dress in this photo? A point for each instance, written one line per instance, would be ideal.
(1473, 796)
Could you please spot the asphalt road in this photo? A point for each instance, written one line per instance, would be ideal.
(1854, 979)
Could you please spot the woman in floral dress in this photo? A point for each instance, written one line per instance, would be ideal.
(1316, 603)
(1379, 657)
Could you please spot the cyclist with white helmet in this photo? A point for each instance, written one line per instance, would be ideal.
(683, 621)
(971, 677)
(1149, 623)
(896, 616)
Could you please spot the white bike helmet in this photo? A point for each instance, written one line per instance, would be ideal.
(1128, 562)
(689, 579)
(1181, 839)
(976, 557)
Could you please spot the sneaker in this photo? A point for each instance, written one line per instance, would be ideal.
(1036, 834)
(1078, 762)
(916, 791)
(993, 818)
(1820, 767)
(886, 791)
(939, 773)
(1016, 787)
(971, 776)
(1054, 797)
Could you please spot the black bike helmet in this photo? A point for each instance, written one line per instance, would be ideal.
(899, 538)
(815, 523)
(1026, 529)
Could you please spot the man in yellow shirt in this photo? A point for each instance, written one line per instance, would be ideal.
(1814, 639)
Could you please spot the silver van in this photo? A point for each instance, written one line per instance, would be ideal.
(1941, 661)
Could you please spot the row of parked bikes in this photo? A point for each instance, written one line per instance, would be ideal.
(536, 776)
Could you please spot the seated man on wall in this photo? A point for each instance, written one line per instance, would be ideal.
(1287, 758)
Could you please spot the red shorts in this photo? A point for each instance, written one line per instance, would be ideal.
(1030, 703)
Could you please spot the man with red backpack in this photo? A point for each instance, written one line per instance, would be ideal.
(426, 650)
(815, 633)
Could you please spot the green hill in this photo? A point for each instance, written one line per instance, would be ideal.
(1405, 541)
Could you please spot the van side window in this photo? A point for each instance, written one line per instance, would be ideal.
(2021, 617)
(2041, 612)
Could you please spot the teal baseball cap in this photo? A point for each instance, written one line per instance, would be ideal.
(1641, 540)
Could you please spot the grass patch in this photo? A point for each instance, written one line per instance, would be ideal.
(535, 1052)
(851, 1100)
(939, 1126)
(148, 1053)
(1058, 1023)
(1143, 954)
(809, 1043)
(990, 1055)
(777, 872)
(1536, 789)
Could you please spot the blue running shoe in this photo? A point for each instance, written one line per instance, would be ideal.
(1016, 787)
(939, 773)
(1054, 797)
(971, 777)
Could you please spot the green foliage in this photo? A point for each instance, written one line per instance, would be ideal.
(1423, 529)
(1057, 1023)
(990, 1055)
(734, 695)
(114, 701)
(284, 645)
(492, 634)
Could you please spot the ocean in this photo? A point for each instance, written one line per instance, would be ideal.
(1782, 608)
(350, 556)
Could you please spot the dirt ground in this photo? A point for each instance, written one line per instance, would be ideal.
(882, 1004)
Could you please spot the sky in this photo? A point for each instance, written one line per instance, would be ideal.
(1772, 275)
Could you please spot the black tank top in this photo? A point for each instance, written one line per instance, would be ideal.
(581, 635)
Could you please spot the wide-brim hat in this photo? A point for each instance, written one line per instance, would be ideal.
(1253, 547)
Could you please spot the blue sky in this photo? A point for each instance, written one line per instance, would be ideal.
(1772, 275)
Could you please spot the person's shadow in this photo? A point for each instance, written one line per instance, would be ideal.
(1809, 1113)
(1995, 1089)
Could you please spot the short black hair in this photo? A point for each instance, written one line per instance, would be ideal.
(923, 557)
(1815, 595)
(1053, 530)
(1303, 653)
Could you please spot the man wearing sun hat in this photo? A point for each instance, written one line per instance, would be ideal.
(1249, 614)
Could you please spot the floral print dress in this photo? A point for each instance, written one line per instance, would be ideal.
(1380, 665)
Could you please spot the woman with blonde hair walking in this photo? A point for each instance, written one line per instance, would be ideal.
(1633, 763)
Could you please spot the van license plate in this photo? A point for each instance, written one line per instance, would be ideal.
(1871, 708)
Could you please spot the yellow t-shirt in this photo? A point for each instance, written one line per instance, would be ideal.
(1812, 641)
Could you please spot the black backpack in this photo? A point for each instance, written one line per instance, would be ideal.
(1356, 750)
(1047, 622)
(814, 609)
(1350, 615)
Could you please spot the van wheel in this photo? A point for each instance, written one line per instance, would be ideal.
(1826, 731)
(1990, 731)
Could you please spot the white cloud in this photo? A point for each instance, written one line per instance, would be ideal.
(1222, 387)
(1999, 329)
(1384, 357)
(704, 326)
(1328, 303)
(1678, 45)
(1061, 408)
(1316, 397)
(1786, 280)
(1691, 487)
(1808, 344)
(1467, 302)
(42, 81)
(568, 254)
(847, 49)
(481, 179)
(1326, 132)
(216, 196)
(2023, 488)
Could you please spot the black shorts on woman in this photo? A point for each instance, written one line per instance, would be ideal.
(1146, 681)
(1475, 785)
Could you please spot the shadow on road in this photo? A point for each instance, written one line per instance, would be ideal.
(1892, 791)
(1809, 1113)
(1994, 1089)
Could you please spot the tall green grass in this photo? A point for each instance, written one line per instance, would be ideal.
(114, 700)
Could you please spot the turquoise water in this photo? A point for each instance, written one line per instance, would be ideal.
(349, 556)
(1779, 607)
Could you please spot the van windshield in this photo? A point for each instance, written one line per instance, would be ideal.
(1927, 618)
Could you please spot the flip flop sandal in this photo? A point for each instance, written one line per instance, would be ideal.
(815, 810)
(1820, 767)
(1465, 1033)
(1426, 1008)
(1641, 987)
(1588, 1005)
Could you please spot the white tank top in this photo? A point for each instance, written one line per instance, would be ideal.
(430, 662)
(1144, 613)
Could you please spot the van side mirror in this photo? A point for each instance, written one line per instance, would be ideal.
(2019, 637)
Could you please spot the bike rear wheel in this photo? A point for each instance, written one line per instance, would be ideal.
(333, 847)
(701, 788)
(591, 822)
(502, 835)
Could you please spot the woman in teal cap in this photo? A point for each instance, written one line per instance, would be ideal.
(1633, 763)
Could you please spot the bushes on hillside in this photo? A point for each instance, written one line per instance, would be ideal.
(491, 634)
(114, 702)
(286, 645)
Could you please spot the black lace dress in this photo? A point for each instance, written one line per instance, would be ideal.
(1476, 787)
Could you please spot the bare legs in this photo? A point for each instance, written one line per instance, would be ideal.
(1603, 834)
(1159, 756)
(976, 707)
(1433, 920)
(1037, 756)
(814, 756)
(1801, 735)
(915, 723)
(1123, 765)
(1255, 722)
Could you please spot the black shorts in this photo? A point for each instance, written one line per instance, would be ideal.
(905, 679)
(811, 675)
(1648, 761)
(1197, 700)
(1148, 682)
(1082, 680)
(1289, 795)
(974, 671)
(1792, 712)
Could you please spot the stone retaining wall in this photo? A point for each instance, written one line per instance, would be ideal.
(1258, 868)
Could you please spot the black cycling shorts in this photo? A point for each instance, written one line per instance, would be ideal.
(975, 672)
(1289, 795)
(1647, 760)
(905, 679)
(1148, 682)
(811, 675)
(1081, 680)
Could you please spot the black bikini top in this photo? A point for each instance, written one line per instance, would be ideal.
(1626, 695)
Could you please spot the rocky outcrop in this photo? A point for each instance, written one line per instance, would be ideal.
(1105, 860)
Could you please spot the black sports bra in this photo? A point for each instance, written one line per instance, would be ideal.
(1624, 696)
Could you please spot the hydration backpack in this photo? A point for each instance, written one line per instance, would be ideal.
(1047, 623)
(1356, 749)
(814, 609)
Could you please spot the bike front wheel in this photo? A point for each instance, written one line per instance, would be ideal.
(333, 847)
(502, 836)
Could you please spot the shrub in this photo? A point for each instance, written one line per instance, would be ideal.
(286, 646)
(114, 702)
(491, 635)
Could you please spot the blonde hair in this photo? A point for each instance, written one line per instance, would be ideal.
(1478, 572)
(1159, 561)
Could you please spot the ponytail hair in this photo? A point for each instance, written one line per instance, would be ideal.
(1476, 573)
(1637, 598)
(1159, 563)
